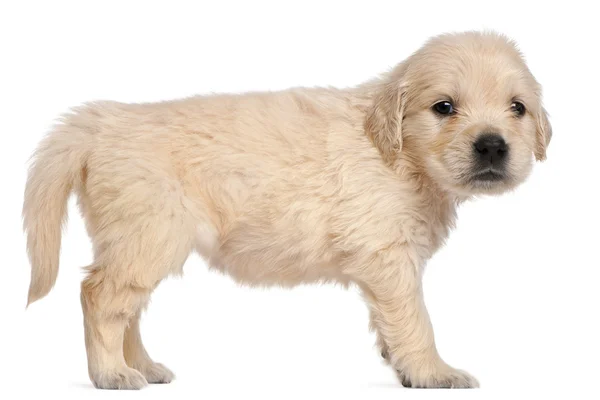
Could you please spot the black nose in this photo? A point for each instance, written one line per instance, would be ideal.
(491, 149)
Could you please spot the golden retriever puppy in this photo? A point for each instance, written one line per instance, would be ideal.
(356, 186)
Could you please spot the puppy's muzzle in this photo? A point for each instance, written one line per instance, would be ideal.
(490, 153)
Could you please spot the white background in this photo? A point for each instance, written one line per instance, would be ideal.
(513, 296)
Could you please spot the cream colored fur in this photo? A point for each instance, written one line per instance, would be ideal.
(357, 185)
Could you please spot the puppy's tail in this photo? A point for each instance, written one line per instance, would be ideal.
(57, 168)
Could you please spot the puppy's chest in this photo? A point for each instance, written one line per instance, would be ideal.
(440, 220)
(428, 227)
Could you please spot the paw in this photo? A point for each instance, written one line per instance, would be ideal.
(123, 378)
(442, 376)
(156, 373)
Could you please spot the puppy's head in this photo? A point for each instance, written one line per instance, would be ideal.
(466, 109)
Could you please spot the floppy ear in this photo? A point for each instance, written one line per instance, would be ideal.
(383, 123)
(543, 134)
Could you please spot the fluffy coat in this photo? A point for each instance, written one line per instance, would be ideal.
(355, 186)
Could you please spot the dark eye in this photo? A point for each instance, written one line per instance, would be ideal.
(518, 108)
(443, 108)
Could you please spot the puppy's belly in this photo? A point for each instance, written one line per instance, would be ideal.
(206, 241)
(277, 274)
(271, 260)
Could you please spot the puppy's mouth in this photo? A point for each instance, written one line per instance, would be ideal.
(488, 175)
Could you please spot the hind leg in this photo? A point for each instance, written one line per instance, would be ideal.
(136, 356)
(126, 270)
(107, 309)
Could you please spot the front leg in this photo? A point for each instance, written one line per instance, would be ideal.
(381, 345)
(391, 284)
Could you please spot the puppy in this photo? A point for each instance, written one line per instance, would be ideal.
(355, 186)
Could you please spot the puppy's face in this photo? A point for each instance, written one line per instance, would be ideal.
(470, 113)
